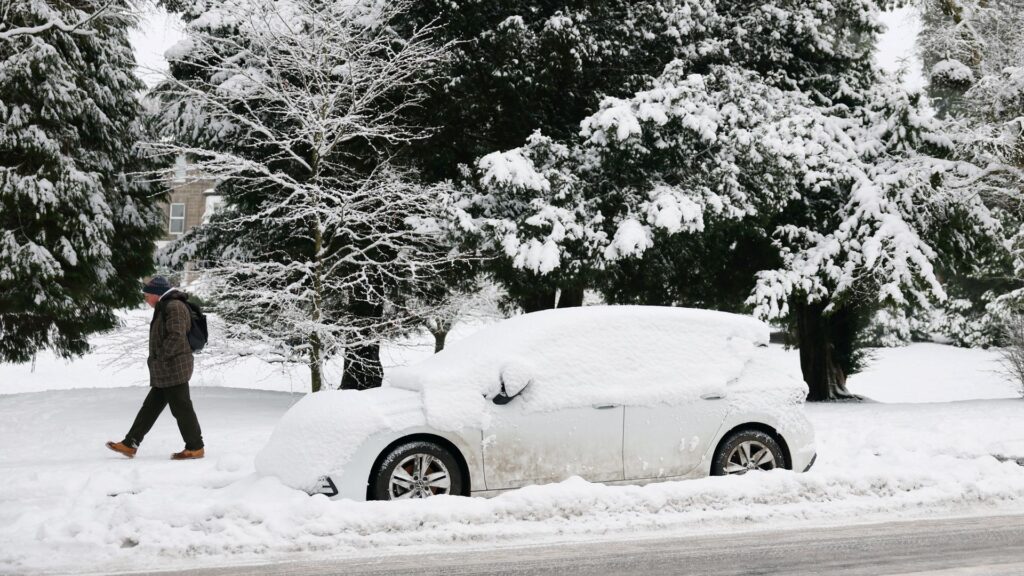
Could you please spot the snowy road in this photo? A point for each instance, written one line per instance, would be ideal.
(990, 546)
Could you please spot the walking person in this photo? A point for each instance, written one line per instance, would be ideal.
(170, 369)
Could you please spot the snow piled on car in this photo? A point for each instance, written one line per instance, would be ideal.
(577, 357)
(322, 431)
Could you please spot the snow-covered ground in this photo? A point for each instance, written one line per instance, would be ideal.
(118, 359)
(927, 445)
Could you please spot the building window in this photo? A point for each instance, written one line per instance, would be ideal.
(177, 218)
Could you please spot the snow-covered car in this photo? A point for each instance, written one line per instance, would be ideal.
(613, 394)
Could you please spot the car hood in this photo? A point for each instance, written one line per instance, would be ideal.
(321, 432)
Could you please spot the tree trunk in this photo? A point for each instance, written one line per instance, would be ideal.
(316, 365)
(316, 371)
(362, 367)
(563, 297)
(439, 337)
(570, 297)
(537, 301)
(819, 337)
(362, 361)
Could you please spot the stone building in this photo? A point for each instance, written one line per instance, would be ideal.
(192, 199)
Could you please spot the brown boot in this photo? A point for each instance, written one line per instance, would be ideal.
(187, 454)
(122, 449)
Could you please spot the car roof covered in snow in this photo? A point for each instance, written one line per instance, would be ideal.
(575, 357)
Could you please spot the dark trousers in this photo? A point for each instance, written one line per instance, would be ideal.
(181, 408)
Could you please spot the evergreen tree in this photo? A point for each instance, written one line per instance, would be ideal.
(781, 135)
(973, 52)
(524, 65)
(77, 228)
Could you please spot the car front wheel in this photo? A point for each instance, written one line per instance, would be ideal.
(747, 450)
(417, 469)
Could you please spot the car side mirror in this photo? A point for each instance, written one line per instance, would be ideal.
(514, 379)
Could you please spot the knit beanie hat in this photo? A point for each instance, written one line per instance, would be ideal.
(157, 285)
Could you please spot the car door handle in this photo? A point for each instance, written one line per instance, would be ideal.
(605, 406)
(712, 396)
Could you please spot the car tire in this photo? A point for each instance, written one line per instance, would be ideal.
(747, 450)
(400, 474)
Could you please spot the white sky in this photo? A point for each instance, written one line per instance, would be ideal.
(896, 48)
(159, 31)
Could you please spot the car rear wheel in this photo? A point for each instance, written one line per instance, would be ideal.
(417, 469)
(747, 450)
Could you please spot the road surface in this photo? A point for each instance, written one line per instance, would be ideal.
(989, 546)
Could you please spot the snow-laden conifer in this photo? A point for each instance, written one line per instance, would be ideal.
(76, 226)
(973, 53)
(525, 65)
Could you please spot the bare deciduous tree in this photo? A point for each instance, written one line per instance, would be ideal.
(297, 109)
(472, 301)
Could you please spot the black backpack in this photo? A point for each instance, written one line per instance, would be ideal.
(198, 335)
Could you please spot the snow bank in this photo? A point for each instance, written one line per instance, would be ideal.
(322, 431)
(577, 357)
(932, 373)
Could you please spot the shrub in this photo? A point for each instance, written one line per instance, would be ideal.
(1012, 352)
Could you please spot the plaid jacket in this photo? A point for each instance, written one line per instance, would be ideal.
(170, 356)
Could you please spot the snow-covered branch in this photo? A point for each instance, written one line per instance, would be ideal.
(52, 19)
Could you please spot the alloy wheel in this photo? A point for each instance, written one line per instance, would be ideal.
(419, 476)
(749, 455)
